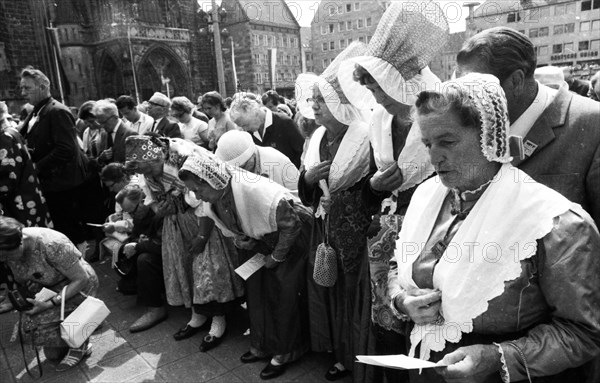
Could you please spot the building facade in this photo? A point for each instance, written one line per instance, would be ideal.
(105, 48)
(307, 54)
(565, 33)
(266, 41)
(336, 24)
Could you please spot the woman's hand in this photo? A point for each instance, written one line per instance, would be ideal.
(245, 243)
(165, 208)
(38, 306)
(389, 179)
(422, 305)
(108, 228)
(470, 363)
(317, 173)
(270, 263)
(129, 249)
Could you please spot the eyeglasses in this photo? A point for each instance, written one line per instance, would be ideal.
(319, 100)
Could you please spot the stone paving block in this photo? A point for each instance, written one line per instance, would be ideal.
(148, 377)
(161, 331)
(107, 344)
(117, 369)
(6, 376)
(230, 377)
(166, 350)
(74, 375)
(251, 372)
(195, 368)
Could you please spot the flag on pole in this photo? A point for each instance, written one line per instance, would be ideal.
(235, 79)
(273, 67)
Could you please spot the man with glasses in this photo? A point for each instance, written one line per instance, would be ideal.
(52, 142)
(138, 121)
(107, 117)
(158, 108)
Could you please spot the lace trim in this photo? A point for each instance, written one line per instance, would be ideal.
(504, 374)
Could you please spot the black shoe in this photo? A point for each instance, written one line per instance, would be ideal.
(187, 331)
(209, 342)
(249, 357)
(272, 371)
(335, 373)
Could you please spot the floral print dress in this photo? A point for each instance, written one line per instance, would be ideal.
(20, 194)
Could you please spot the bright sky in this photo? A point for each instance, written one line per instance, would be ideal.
(304, 10)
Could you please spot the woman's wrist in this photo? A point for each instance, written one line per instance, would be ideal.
(276, 259)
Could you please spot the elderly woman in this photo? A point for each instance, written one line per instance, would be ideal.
(213, 105)
(41, 257)
(238, 149)
(497, 274)
(198, 263)
(262, 217)
(391, 74)
(335, 165)
(192, 129)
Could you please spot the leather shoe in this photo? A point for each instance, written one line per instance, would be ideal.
(335, 373)
(209, 342)
(151, 318)
(249, 357)
(188, 331)
(272, 371)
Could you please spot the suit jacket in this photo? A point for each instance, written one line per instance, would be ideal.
(284, 136)
(166, 128)
(580, 87)
(567, 156)
(52, 142)
(119, 143)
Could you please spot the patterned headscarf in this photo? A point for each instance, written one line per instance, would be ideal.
(211, 170)
(143, 149)
(487, 95)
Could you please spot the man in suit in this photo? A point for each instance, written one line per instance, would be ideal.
(576, 85)
(267, 128)
(158, 108)
(560, 132)
(52, 141)
(107, 116)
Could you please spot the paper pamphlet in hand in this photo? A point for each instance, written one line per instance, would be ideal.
(397, 361)
(251, 266)
(44, 294)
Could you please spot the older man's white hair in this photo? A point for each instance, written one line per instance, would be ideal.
(105, 108)
(244, 103)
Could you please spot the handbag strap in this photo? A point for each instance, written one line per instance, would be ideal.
(37, 353)
(62, 303)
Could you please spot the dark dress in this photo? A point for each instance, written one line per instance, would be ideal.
(339, 314)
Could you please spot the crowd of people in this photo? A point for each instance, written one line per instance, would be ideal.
(391, 212)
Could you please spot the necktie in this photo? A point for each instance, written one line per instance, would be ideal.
(109, 141)
(153, 127)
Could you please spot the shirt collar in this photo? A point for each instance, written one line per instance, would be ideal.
(543, 99)
(268, 122)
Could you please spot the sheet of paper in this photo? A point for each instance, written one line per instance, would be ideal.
(44, 295)
(397, 361)
(251, 266)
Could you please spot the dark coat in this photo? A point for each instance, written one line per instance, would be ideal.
(52, 142)
(166, 128)
(284, 136)
(119, 144)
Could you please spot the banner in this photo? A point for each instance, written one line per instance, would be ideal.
(273, 67)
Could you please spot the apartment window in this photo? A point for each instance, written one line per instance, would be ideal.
(369, 21)
(570, 8)
(257, 78)
(559, 10)
(558, 29)
(357, 6)
(295, 43)
(595, 45)
(256, 42)
(369, 39)
(544, 12)
(361, 39)
(288, 60)
(568, 48)
(586, 5)
(349, 25)
(533, 32)
(332, 10)
(289, 41)
(543, 50)
(340, 9)
(349, 41)
(324, 63)
(544, 31)
(325, 47)
(323, 30)
(557, 48)
(266, 41)
(331, 45)
(584, 45)
(595, 25)
(513, 17)
(341, 26)
(584, 26)
(348, 7)
(255, 59)
(570, 28)
(342, 44)
(281, 42)
(360, 23)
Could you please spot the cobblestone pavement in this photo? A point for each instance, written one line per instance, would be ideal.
(152, 355)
